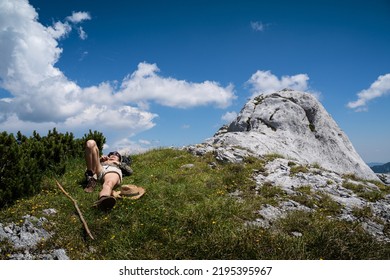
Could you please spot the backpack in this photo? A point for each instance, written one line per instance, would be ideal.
(125, 166)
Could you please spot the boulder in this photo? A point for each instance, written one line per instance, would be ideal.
(292, 124)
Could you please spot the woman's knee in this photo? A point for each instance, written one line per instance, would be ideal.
(90, 144)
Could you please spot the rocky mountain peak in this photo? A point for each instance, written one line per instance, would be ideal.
(292, 124)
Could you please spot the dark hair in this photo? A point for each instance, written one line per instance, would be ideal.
(115, 153)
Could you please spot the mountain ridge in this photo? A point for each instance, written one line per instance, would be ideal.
(383, 168)
(371, 164)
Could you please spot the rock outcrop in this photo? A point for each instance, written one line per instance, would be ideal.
(290, 123)
(343, 197)
(25, 237)
(307, 157)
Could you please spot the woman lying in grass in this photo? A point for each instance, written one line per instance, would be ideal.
(105, 169)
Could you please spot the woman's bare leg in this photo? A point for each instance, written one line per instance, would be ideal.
(94, 167)
(92, 157)
(110, 181)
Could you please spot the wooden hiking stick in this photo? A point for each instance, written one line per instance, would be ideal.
(78, 210)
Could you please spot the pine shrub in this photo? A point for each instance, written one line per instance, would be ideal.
(25, 160)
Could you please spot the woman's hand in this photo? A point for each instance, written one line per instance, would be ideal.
(103, 158)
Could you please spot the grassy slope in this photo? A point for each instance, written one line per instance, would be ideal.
(187, 213)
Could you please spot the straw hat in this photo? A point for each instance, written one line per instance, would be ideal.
(130, 191)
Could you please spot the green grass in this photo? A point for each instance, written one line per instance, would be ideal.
(187, 213)
(297, 169)
(363, 192)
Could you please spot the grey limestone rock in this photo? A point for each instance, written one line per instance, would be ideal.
(290, 123)
(384, 177)
(321, 182)
(24, 238)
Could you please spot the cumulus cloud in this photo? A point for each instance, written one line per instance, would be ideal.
(59, 30)
(377, 89)
(228, 117)
(146, 85)
(42, 97)
(263, 82)
(116, 118)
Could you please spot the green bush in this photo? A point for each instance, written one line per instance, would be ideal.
(19, 172)
(97, 136)
(25, 160)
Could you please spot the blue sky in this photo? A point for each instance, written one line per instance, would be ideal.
(170, 73)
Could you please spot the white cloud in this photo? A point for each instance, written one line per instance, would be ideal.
(377, 89)
(146, 85)
(78, 17)
(258, 26)
(62, 29)
(113, 118)
(28, 49)
(12, 124)
(228, 117)
(59, 30)
(42, 97)
(263, 82)
(82, 33)
(126, 146)
(144, 142)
